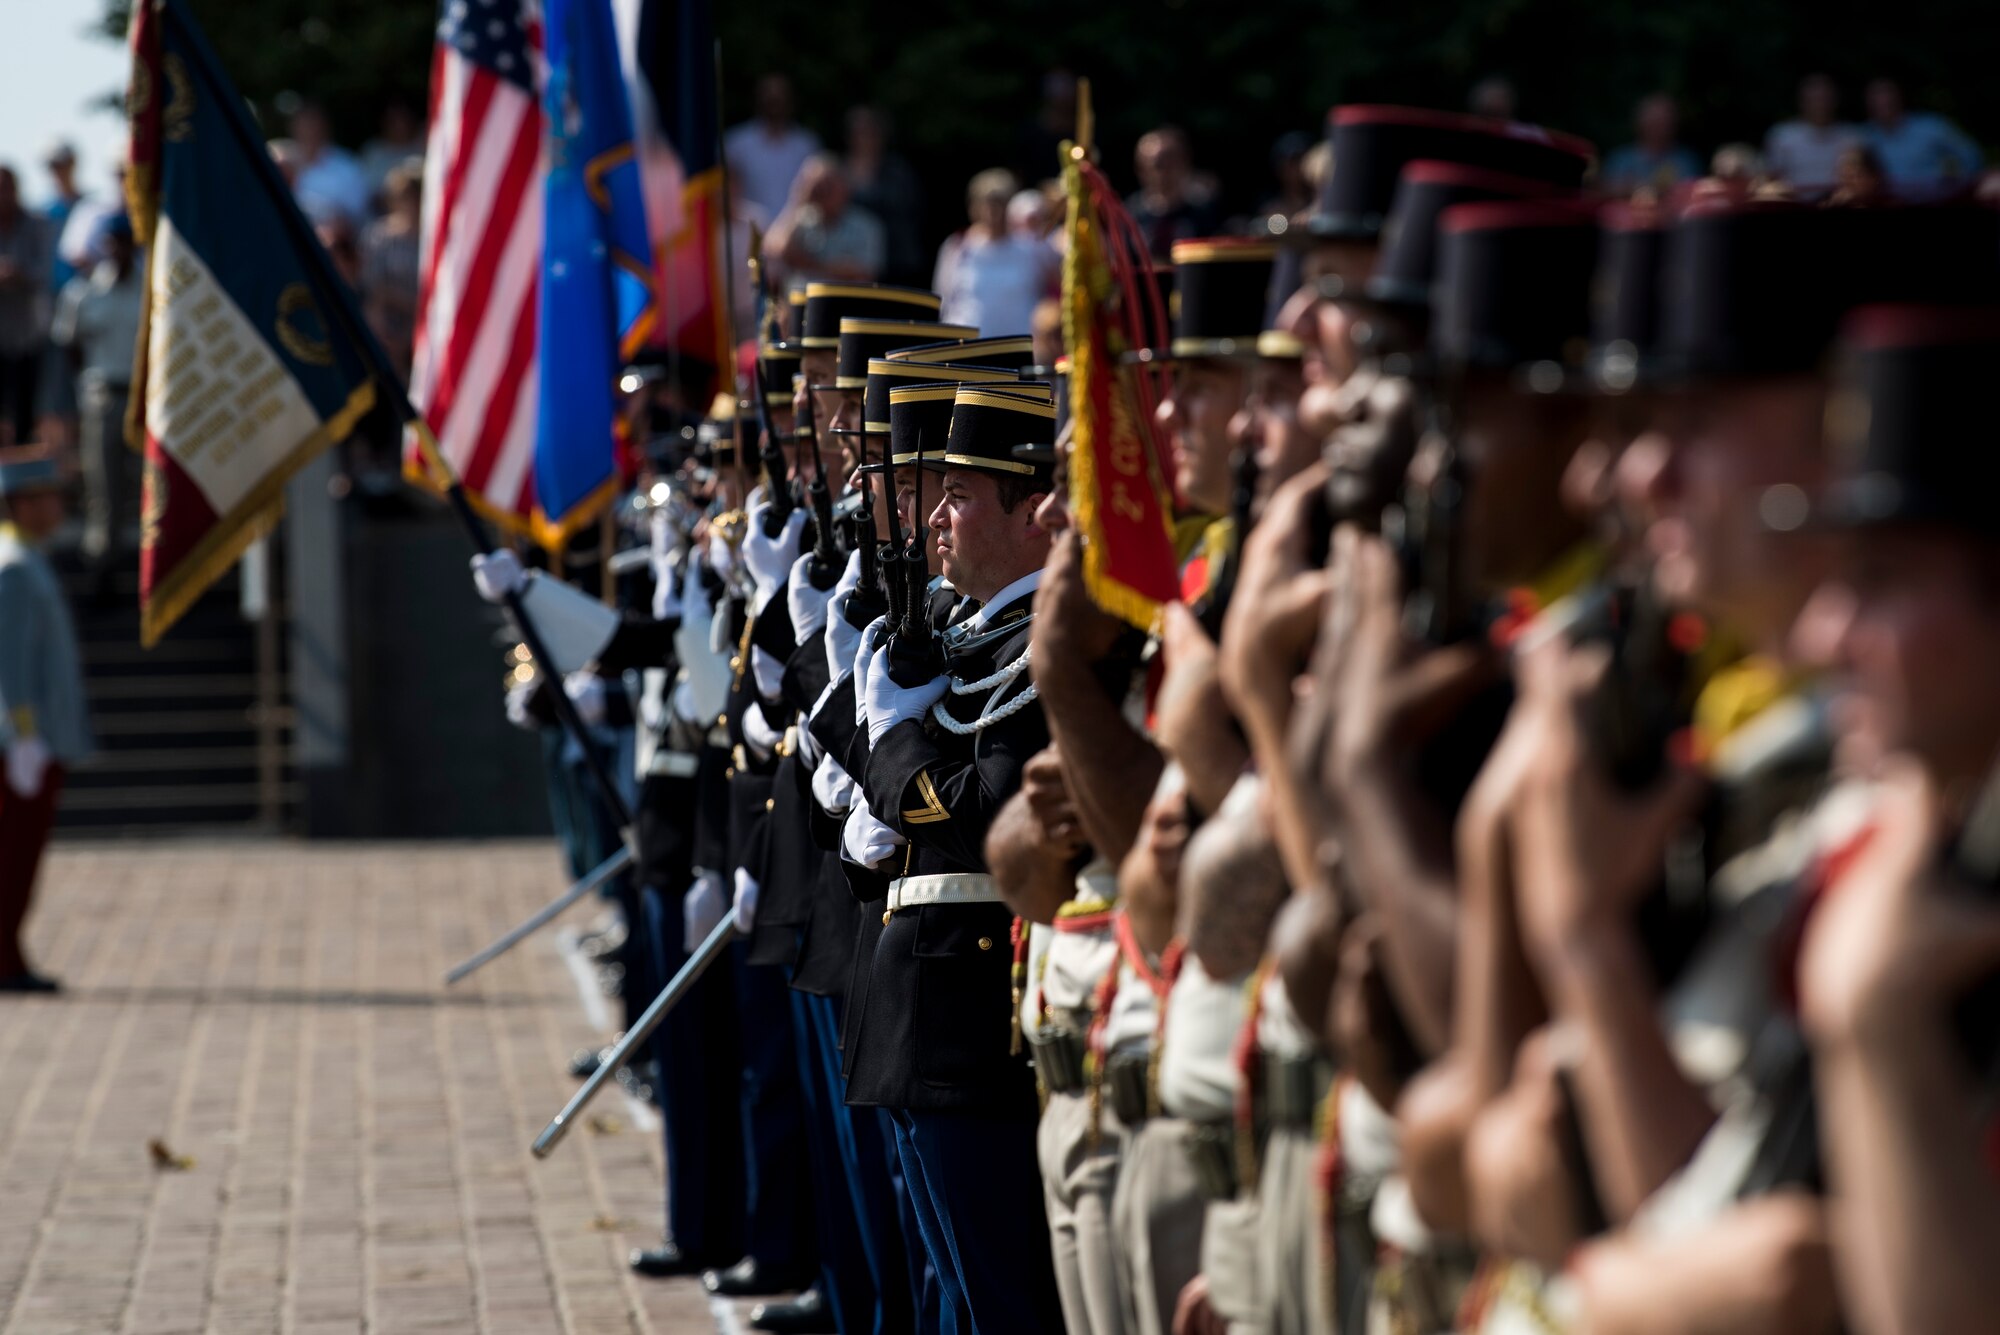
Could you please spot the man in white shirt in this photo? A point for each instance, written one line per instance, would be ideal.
(1805, 152)
(327, 180)
(765, 154)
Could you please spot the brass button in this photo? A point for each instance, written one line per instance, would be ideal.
(886, 915)
(770, 802)
(986, 943)
(729, 773)
(722, 720)
(735, 662)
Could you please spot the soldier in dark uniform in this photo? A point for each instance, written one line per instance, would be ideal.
(931, 1037)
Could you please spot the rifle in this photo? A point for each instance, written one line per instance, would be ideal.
(777, 488)
(914, 654)
(867, 602)
(826, 563)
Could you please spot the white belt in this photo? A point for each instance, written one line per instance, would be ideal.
(959, 887)
(673, 764)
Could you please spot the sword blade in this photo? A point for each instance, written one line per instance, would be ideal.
(544, 915)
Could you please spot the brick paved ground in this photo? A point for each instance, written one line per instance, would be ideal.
(358, 1135)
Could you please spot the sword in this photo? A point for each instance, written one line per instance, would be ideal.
(597, 876)
(635, 1037)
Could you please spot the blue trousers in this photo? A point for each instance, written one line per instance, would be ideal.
(862, 1258)
(778, 1200)
(977, 1193)
(701, 1114)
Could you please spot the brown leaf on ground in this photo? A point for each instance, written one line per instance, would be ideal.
(165, 1159)
(604, 1124)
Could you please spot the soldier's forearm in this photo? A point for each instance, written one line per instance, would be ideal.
(1034, 879)
(1112, 768)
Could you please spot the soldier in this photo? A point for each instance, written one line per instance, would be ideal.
(44, 726)
(932, 1037)
(1896, 979)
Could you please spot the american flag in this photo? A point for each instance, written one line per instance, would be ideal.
(474, 371)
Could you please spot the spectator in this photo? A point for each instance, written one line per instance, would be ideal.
(1805, 152)
(1492, 96)
(1858, 177)
(1030, 215)
(82, 238)
(389, 262)
(1288, 165)
(1739, 164)
(1038, 143)
(58, 390)
(1657, 160)
(821, 234)
(61, 162)
(1169, 206)
(401, 138)
(1920, 152)
(97, 327)
(328, 182)
(767, 154)
(24, 309)
(886, 185)
(990, 277)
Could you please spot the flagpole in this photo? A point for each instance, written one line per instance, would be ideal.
(342, 299)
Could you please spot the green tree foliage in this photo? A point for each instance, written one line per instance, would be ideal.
(960, 78)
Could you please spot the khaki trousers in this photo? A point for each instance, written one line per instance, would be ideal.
(1157, 1214)
(1078, 1183)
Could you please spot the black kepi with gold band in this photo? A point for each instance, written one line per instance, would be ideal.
(1221, 287)
(890, 373)
(827, 304)
(988, 422)
(780, 365)
(862, 339)
(1012, 352)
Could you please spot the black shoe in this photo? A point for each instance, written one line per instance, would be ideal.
(29, 981)
(664, 1261)
(747, 1279)
(806, 1314)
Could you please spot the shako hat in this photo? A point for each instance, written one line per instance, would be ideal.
(1911, 421)
(863, 338)
(1012, 351)
(1406, 265)
(889, 373)
(1221, 286)
(1513, 290)
(28, 468)
(1372, 144)
(827, 304)
(988, 422)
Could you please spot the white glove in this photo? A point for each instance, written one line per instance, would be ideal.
(873, 635)
(668, 601)
(770, 559)
(745, 908)
(517, 705)
(586, 692)
(27, 765)
(758, 733)
(769, 671)
(684, 706)
(702, 909)
(806, 604)
(889, 704)
(841, 638)
(833, 787)
(498, 573)
(720, 555)
(865, 840)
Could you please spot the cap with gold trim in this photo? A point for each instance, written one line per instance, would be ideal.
(988, 422)
(780, 364)
(827, 304)
(1013, 352)
(1221, 288)
(886, 374)
(862, 340)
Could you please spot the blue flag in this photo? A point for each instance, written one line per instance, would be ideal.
(596, 295)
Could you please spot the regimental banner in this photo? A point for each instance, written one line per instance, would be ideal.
(1117, 486)
(250, 360)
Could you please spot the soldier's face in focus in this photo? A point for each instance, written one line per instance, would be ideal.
(1206, 393)
(984, 547)
(1911, 622)
(1698, 478)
